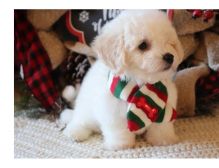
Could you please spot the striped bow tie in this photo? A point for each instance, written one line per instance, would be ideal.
(147, 103)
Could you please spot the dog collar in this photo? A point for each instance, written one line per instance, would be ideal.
(146, 103)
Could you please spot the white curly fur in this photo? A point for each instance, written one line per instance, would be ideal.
(117, 49)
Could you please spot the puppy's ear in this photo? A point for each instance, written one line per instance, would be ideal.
(179, 49)
(109, 47)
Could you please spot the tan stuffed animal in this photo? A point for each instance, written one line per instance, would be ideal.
(185, 82)
(43, 20)
(201, 47)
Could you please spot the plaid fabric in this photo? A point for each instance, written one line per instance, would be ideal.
(31, 56)
(207, 93)
(208, 86)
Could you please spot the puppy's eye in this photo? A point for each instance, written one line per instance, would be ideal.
(143, 46)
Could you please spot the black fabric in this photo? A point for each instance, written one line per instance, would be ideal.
(87, 22)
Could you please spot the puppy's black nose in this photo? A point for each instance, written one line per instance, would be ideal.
(168, 58)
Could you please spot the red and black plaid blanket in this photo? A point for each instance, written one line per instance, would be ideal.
(35, 63)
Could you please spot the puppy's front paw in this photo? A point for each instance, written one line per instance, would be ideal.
(161, 134)
(120, 142)
(77, 134)
(162, 140)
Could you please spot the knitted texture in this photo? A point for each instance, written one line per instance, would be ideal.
(146, 103)
(199, 138)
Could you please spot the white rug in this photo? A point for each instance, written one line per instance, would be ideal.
(199, 138)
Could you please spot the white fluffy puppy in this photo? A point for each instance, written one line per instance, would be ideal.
(140, 45)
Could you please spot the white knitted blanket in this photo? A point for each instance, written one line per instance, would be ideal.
(199, 138)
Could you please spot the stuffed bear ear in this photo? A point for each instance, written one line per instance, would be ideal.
(109, 47)
(180, 51)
